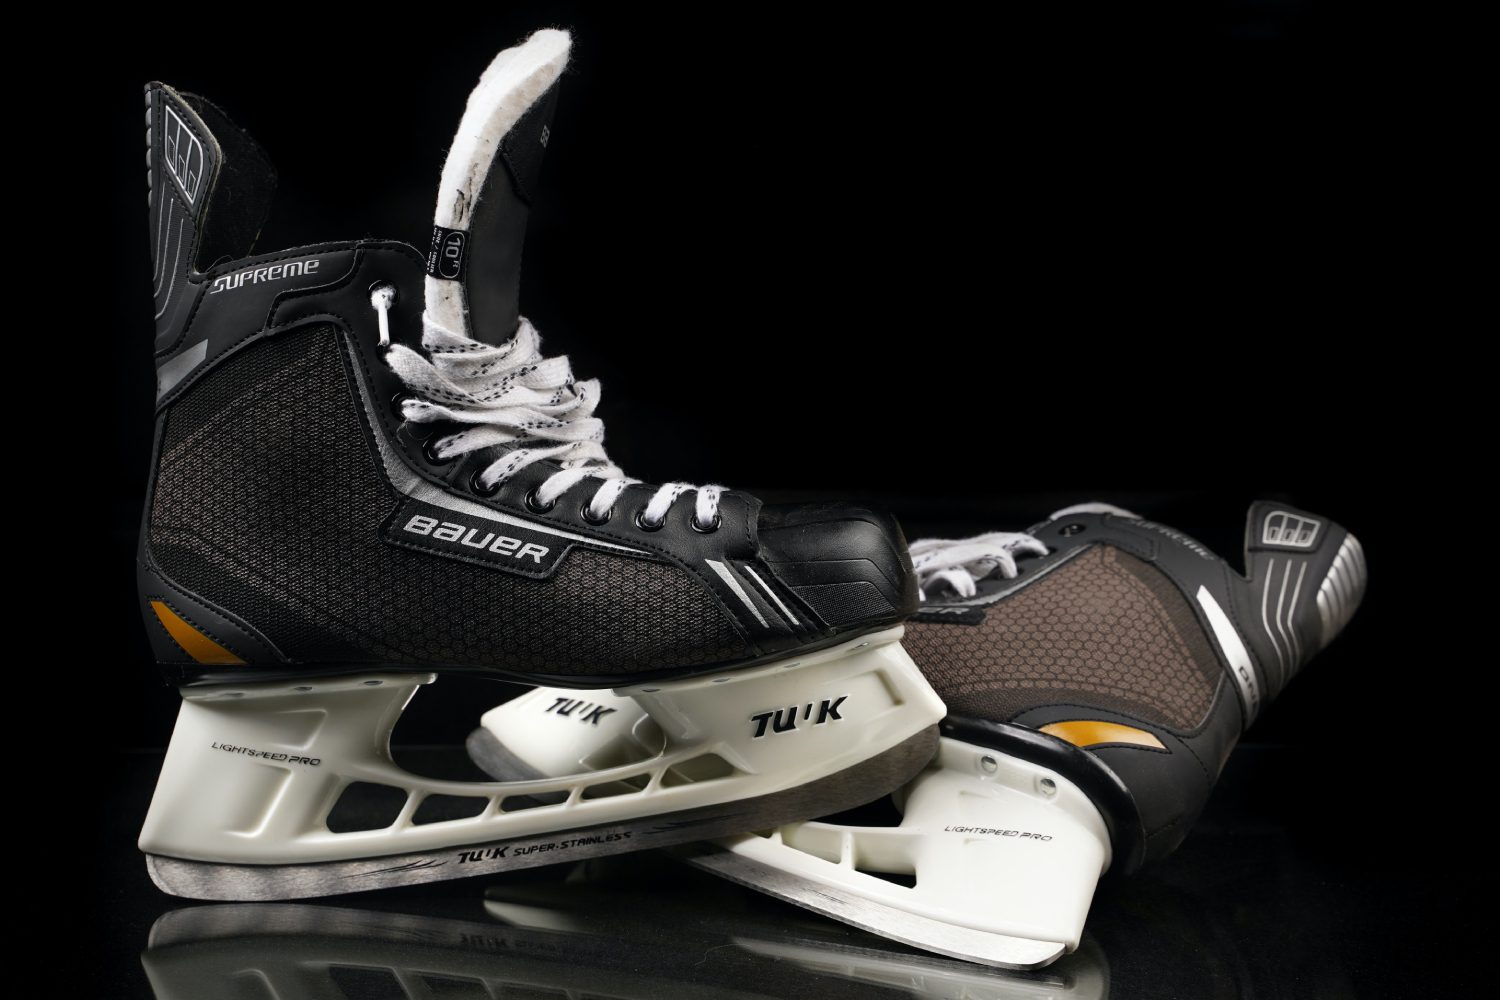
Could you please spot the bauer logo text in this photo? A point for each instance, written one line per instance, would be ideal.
(507, 545)
(475, 538)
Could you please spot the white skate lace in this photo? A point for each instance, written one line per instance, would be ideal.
(961, 563)
(508, 394)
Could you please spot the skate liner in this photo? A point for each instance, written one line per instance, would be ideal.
(1098, 669)
(366, 474)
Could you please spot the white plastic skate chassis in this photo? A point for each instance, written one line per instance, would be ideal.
(253, 771)
(1004, 855)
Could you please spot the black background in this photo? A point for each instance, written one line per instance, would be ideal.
(974, 271)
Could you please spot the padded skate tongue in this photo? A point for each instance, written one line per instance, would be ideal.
(474, 264)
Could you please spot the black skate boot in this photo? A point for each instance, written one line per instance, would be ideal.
(366, 473)
(1097, 670)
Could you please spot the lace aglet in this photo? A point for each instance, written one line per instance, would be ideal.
(382, 297)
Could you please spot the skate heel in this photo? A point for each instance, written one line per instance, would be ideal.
(253, 772)
(250, 765)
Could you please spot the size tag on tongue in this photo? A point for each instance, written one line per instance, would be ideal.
(449, 254)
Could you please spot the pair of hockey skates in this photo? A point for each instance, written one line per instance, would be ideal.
(366, 473)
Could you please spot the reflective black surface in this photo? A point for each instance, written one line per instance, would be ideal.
(1267, 898)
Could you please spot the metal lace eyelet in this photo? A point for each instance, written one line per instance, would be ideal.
(707, 529)
(1070, 529)
(429, 452)
(477, 487)
(396, 404)
(536, 506)
(589, 518)
(645, 525)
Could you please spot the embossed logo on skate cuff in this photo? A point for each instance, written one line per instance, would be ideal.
(503, 545)
(271, 272)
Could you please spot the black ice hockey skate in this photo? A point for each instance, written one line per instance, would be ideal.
(1097, 670)
(366, 473)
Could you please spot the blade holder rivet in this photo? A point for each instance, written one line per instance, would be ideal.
(988, 764)
(1048, 786)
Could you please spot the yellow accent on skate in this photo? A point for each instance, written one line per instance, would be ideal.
(1089, 732)
(197, 645)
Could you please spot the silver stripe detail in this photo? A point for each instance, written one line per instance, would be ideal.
(1265, 618)
(1233, 648)
(739, 591)
(1291, 616)
(161, 248)
(176, 369)
(408, 482)
(176, 259)
(1283, 615)
(1341, 590)
(772, 595)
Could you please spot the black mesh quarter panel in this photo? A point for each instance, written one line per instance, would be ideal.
(268, 502)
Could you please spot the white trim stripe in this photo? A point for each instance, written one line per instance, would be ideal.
(1265, 618)
(1291, 612)
(772, 595)
(176, 259)
(739, 591)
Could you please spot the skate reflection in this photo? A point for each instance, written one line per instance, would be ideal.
(634, 929)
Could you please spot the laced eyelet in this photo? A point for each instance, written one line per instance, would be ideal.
(645, 525)
(707, 529)
(588, 518)
(536, 506)
(396, 404)
(429, 452)
(479, 489)
(1070, 529)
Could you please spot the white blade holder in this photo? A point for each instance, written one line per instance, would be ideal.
(1005, 855)
(253, 770)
